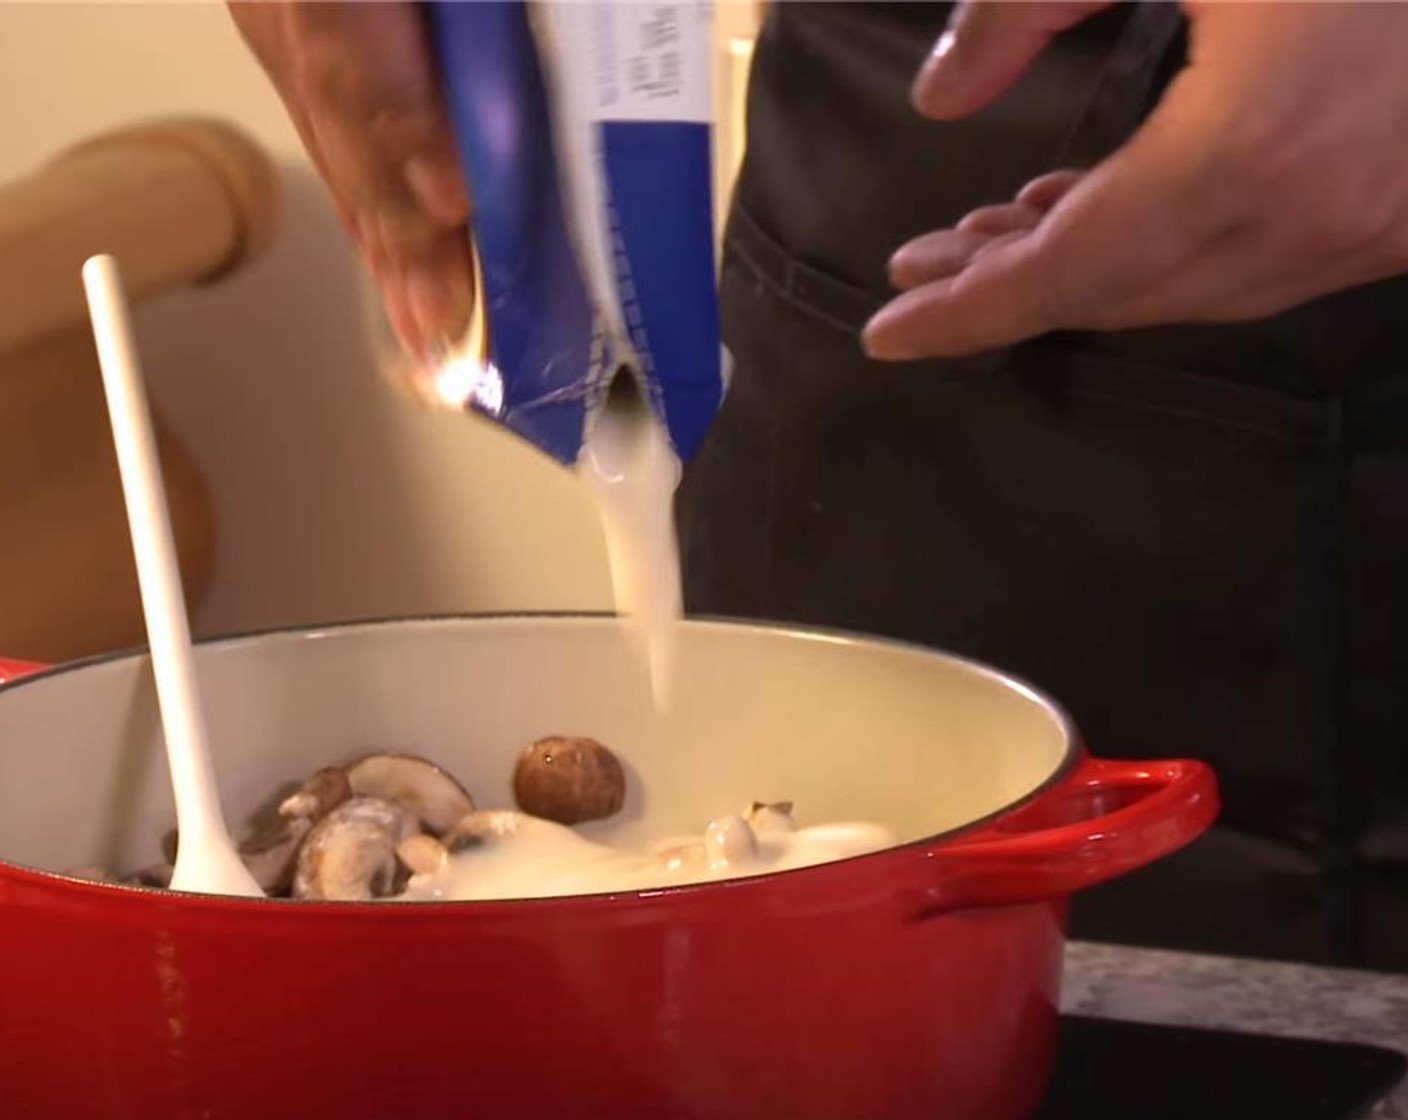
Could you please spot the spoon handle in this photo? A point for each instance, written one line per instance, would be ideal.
(198, 816)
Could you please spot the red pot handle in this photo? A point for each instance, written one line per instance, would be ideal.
(13, 670)
(1108, 818)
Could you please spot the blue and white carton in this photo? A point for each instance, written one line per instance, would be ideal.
(585, 128)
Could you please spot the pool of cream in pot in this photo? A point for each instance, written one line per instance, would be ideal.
(526, 857)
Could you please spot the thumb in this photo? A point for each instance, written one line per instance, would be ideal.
(987, 45)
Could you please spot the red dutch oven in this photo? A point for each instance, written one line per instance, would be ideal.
(920, 981)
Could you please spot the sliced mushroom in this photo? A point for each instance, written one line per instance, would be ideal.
(419, 786)
(350, 855)
(270, 854)
(480, 826)
(319, 795)
(569, 780)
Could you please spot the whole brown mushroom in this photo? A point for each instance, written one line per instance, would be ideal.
(569, 780)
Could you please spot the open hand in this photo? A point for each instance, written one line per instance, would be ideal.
(1273, 171)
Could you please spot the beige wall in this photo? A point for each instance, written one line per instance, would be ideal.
(335, 498)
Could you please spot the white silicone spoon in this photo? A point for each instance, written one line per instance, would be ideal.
(206, 858)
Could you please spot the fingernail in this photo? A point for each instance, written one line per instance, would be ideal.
(438, 190)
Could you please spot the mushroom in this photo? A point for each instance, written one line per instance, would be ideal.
(729, 842)
(569, 780)
(480, 826)
(414, 783)
(350, 855)
(319, 795)
(272, 851)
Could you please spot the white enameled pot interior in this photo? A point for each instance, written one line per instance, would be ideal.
(846, 728)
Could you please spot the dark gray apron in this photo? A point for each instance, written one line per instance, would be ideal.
(1195, 538)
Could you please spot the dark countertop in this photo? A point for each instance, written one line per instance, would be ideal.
(1266, 997)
